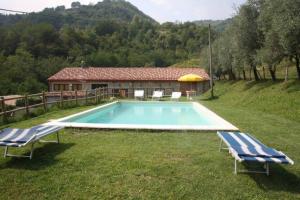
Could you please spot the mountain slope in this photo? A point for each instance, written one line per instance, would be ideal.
(81, 15)
(217, 25)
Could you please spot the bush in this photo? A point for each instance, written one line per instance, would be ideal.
(31, 101)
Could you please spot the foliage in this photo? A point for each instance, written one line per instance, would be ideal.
(31, 101)
(218, 25)
(81, 15)
(263, 33)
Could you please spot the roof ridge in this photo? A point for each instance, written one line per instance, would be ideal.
(126, 73)
(95, 67)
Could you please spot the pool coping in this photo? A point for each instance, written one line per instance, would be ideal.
(222, 123)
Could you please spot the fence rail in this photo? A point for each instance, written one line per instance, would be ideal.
(27, 103)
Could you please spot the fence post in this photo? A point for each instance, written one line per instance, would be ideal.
(61, 99)
(3, 109)
(147, 93)
(96, 95)
(86, 99)
(44, 101)
(100, 93)
(26, 105)
(76, 98)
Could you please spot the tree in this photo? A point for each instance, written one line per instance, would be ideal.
(75, 4)
(18, 71)
(247, 34)
(287, 25)
(271, 52)
(106, 27)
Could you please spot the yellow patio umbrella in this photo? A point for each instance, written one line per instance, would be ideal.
(191, 78)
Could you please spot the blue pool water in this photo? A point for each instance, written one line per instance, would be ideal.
(145, 113)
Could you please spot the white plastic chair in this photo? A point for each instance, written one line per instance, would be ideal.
(157, 95)
(139, 94)
(175, 96)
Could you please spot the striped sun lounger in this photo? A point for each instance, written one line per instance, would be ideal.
(245, 148)
(13, 137)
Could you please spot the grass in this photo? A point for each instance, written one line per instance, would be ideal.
(165, 165)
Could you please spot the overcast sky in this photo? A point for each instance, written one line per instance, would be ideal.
(160, 10)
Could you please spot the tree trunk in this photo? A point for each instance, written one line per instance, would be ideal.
(298, 65)
(272, 73)
(231, 75)
(286, 73)
(250, 74)
(255, 72)
(244, 74)
(264, 73)
(259, 76)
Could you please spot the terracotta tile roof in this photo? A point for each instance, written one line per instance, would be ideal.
(125, 74)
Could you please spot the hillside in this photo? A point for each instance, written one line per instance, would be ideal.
(280, 99)
(218, 25)
(81, 15)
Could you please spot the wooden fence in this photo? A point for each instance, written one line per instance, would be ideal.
(44, 100)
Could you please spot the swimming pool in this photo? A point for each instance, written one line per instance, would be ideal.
(148, 115)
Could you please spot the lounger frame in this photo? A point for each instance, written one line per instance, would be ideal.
(237, 159)
(32, 142)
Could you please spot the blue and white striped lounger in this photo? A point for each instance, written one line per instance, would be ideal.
(13, 137)
(245, 148)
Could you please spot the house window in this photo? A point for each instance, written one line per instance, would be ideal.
(76, 87)
(56, 87)
(116, 85)
(94, 86)
(125, 84)
(61, 87)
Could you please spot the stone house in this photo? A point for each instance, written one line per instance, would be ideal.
(127, 79)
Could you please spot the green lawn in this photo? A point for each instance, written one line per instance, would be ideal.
(165, 165)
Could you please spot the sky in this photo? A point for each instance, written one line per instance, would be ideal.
(160, 10)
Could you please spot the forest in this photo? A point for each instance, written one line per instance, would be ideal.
(114, 33)
(263, 35)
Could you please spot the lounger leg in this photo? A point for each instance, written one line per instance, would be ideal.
(267, 169)
(31, 151)
(5, 151)
(220, 148)
(7, 154)
(57, 136)
(235, 166)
